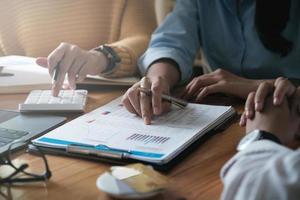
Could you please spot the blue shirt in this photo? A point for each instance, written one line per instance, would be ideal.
(229, 41)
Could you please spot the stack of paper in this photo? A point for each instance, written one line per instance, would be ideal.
(21, 74)
(100, 80)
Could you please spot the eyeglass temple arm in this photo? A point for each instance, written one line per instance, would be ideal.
(18, 170)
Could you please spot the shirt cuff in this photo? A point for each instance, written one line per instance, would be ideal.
(153, 54)
(259, 147)
(263, 146)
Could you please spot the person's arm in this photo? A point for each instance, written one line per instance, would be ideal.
(138, 23)
(265, 169)
(167, 61)
(177, 38)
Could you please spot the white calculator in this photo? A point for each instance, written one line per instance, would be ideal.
(66, 101)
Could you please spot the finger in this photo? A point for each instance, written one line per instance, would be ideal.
(66, 86)
(56, 56)
(249, 106)
(218, 87)
(283, 87)
(133, 95)
(57, 81)
(264, 89)
(198, 83)
(189, 88)
(156, 89)
(62, 69)
(74, 70)
(42, 61)
(127, 104)
(243, 120)
(83, 71)
(72, 80)
(203, 77)
(145, 101)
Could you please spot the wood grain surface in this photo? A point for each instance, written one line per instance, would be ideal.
(196, 177)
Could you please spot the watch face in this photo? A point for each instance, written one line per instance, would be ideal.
(248, 139)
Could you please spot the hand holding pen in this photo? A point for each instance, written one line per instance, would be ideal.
(71, 61)
(150, 97)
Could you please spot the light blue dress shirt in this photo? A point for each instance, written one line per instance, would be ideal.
(229, 40)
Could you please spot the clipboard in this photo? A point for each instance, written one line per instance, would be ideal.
(124, 161)
(104, 153)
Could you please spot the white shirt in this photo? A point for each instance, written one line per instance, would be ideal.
(264, 170)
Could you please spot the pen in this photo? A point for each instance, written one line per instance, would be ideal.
(92, 150)
(55, 73)
(173, 100)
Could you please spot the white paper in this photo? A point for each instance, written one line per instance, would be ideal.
(113, 126)
(27, 75)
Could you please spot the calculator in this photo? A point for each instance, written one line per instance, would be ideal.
(66, 101)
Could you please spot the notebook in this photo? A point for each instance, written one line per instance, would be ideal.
(112, 132)
(100, 80)
(22, 74)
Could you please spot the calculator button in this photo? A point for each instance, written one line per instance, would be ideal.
(31, 101)
(42, 100)
(54, 100)
(46, 93)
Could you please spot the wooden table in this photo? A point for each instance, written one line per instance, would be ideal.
(196, 177)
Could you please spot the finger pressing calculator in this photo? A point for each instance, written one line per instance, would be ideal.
(66, 101)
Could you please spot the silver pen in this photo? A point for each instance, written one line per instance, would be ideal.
(55, 73)
(173, 100)
(85, 150)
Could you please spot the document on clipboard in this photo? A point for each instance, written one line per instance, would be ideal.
(112, 132)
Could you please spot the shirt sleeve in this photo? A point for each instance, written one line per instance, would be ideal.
(265, 170)
(137, 25)
(177, 38)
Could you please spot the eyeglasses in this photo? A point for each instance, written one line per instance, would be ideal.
(18, 172)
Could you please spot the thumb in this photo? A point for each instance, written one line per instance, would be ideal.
(42, 61)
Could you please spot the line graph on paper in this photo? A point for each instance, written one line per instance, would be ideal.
(147, 139)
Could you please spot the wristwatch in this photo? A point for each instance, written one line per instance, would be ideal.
(256, 135)
(112, 57)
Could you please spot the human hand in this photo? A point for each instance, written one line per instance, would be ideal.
(219, 81)
(282, 120)
(74, 62)
(141, 104)
(255, 102)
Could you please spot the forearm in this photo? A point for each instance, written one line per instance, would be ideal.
(176, 39)
(134, 35)
(265, 170)
(129, 50)
(166, 70)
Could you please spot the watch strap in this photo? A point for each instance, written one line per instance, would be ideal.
(256, 135)
(112, 57)
(269, 136)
